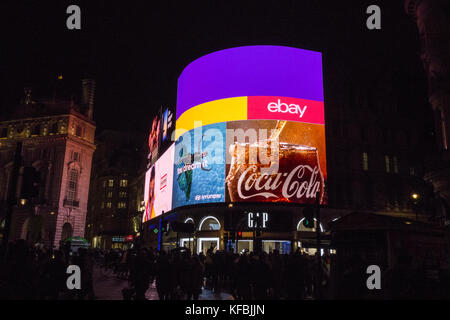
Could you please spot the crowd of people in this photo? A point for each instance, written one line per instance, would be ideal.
(29, 272)
(182, 275)
(37, 272)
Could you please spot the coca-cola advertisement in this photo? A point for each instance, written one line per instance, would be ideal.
(275, 161)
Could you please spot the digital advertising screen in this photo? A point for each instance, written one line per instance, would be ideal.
(149, 194)
(167, 129)
(275, 160)
(164, 181)
(250, 127)
(270, 101)
(154, 140)
(199, 170)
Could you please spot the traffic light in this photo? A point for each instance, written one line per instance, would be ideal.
(30, 183)
(239, 235)
(165, 226)
(308, 220)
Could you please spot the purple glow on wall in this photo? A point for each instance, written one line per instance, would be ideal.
(251, 71)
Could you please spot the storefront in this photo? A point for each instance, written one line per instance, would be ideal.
(281, 229)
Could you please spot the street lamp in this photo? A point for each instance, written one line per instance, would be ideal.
(415, 197)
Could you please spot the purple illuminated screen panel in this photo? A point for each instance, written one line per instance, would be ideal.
(251, 71)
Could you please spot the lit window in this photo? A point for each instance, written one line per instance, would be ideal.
(386, 160)
(72, 184)
(103, 205)
(123, 182)
(110, 194)
(104, 183)
(365, 159)
(62, 129)
(122, 194)
(108, 205)
(122, 205)
(111, 183)
(395, 164)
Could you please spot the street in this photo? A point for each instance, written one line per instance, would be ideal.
(110, 288)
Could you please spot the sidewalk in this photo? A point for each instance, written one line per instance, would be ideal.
(110, 288)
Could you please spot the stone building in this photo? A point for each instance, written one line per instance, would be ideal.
(58, 141)
(433, 22)
(117, 184)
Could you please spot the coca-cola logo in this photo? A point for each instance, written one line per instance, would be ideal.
(286, 108)
(303, 181)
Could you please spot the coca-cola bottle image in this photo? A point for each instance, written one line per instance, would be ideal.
(295, 177)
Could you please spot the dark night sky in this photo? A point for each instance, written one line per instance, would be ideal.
(137, 49)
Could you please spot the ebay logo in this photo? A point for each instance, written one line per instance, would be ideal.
(284, 108)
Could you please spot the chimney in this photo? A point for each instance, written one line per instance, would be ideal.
(88, 92)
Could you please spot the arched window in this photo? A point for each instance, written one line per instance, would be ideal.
(301, 227)
(189, 220)
(67, 231)
(209, 223)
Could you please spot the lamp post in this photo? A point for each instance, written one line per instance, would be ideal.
(415, 198)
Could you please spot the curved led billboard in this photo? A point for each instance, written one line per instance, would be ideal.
(250, 127)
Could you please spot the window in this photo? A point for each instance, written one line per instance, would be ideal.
(54, 128)
(62, 129)
(78, 131)
(109, 205)
(36, 130)
(122, 194)
(4, 133)
(109, 194)
(76, 156)
(365, 160)
(103, 205)
(123, 182)
(110, 183)
(386, 160)
(105, 183)
(122, 205)
(72, 185)
(395, 164)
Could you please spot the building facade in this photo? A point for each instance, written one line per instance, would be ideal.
(58, 141)
(116, 190)
(433, 23)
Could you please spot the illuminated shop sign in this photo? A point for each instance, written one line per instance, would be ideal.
(257, 220)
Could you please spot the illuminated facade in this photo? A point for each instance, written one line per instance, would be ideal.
(58, 141)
